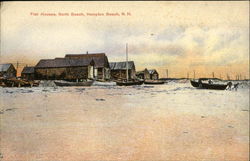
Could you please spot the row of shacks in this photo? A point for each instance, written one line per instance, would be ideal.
(77, 67)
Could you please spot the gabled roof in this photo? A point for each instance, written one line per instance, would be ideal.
(5, 67)
(63, 62)
(100, 59)
(152, 71)
(121, 65)
(28, 70)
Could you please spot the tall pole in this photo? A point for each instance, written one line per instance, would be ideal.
(187, 75)
(194, 74)
(127, 61)
(167, 73)
(213, 74)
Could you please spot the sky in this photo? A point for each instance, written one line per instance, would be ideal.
(181, 37)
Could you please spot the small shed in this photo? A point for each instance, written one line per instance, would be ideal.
(153, 74)
(119, 70)
(64, 69)
(101, 68)
(7, 70)
(144, 74)
(28, 73)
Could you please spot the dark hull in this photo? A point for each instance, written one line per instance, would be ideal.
(64, 83)
(154, 82)
(129, 83)
(208, 86)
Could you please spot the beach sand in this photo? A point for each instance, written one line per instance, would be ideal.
(173, 121)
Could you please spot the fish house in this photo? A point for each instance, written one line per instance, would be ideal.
(101, 67)
(153, 74)
(64, 69)
(119, 69)
(28, 73)
(144, 74)
(7, 70)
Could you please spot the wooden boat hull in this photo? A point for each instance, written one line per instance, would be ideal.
(154, 82)
(66, 83)
(18, 83)
(208, 86)
(129, 83)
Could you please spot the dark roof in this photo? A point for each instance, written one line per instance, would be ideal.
(152, 71)
(28, 70)
(100, 59)
(121, 65)
(63, 62)
(4, 67)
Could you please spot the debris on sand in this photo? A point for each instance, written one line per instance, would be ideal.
(9, 92)
(1, 112)
(38, 115)
(230, 126)
(100, 99)
(27, 91)
(10, 109)
(80, 89)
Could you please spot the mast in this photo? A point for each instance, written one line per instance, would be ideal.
(127, 61)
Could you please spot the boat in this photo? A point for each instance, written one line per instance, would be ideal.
(68, 83)
(128, 82)
(202, 85)
(153, 82)
(13, 82)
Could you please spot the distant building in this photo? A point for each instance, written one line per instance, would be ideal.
(118, 70)
(101, 68)
(153, 74)
(28, 73)
(65, 69)
(7, 70)
(144, 74)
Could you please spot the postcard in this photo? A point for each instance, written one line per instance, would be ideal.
(124, 80)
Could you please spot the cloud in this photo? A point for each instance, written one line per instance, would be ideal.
(177, 35)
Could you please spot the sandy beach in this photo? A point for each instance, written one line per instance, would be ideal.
(173, 121)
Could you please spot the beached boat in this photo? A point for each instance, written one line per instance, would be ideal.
(13, 82)
(153, 82)
(129, 83)
(202, 85)
(68, 83)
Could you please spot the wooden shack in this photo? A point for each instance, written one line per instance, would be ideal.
(101, 68)
(64, 69)
(118, 70)
(7, 70)
(28, 73)
(144, 74)
(153, 74)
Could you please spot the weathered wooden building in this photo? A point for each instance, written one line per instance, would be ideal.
(7, 70)
(101, 68)
(28, 73)
(153, 74)
(144, 74)
(118, 70)
(65, 69)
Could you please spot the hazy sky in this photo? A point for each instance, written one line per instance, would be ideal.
(179, 36)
